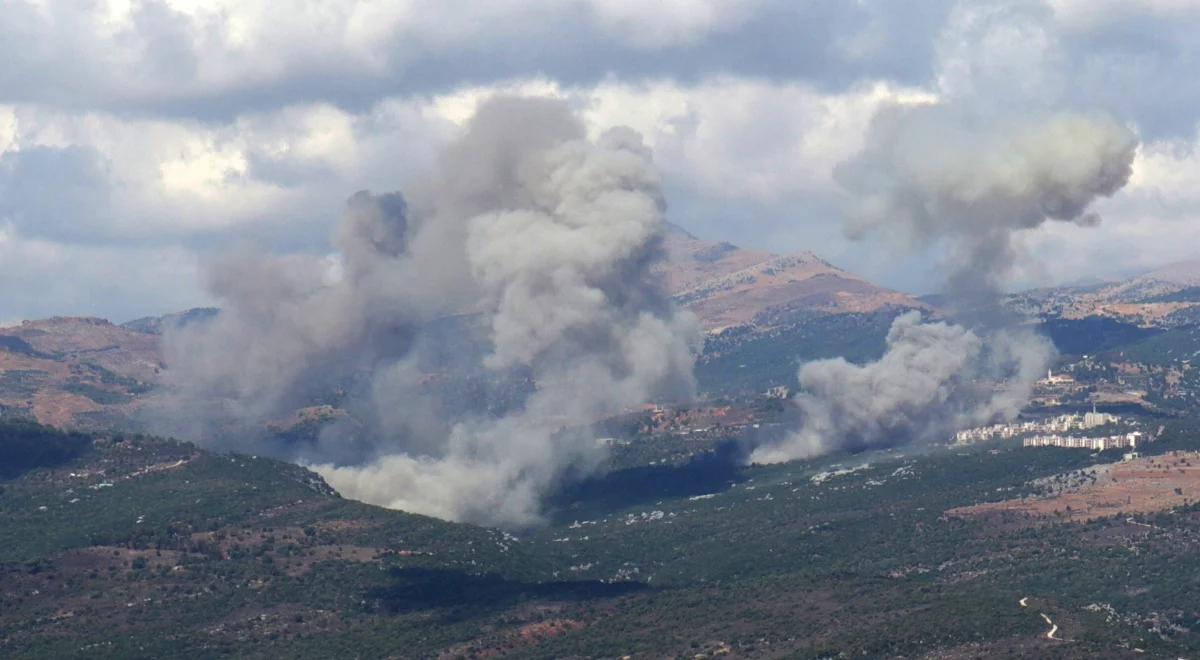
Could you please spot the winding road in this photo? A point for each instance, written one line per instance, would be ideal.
(1053, 627)
(1024, 602)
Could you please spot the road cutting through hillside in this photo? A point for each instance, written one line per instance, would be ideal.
(1053, 627)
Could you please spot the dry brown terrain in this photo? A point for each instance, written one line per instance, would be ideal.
(69, 372)
(90, 373)
(728, 286)
(1142, 485)
(93, 341)
(1144, 314)
(1137, 300)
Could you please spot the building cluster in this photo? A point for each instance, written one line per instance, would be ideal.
(1057, 379)
(699, 420)
(1120, 441)
(1055, 388)
(1053, 425)
(778, 392)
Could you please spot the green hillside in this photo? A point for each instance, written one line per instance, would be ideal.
(142, 547)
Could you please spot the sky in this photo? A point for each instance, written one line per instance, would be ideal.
(140, 139)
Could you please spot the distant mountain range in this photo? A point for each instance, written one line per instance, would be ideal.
(756, 307)
(1166, 297)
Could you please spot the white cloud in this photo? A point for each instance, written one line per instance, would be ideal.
(8, 128)
(1155, 220)
(1086, 14)
(748, 138)
(187, 125)
(173, 180)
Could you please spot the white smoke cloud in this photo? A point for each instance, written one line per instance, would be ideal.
(943, 172)
(945, 175)
(544, 235)
(932, 379)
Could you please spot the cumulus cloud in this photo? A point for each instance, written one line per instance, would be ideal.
(104, 178)
(194, 126)
(543, 236)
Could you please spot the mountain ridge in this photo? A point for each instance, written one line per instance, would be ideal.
(1167, 296)
(727, 286)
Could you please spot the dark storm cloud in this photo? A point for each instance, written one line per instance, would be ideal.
(156, 65)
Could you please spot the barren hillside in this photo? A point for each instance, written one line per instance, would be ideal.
(729, 286)
(69, 371)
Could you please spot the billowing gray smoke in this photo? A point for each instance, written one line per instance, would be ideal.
(942, 175)
(545, 236)
(934, 378)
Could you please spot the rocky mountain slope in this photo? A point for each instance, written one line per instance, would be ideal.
(89, 373)
(69, 371)
(155, 325)
(727, 286)
(1166, 297)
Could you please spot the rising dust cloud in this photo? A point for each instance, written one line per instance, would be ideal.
(935, 174)
(545, 240)
(528, 231)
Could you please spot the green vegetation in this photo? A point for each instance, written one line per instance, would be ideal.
(27, 446)
(138, 546)
(98, 394)
(22, 382)
(1093, 334)
(1169, 346)
(17, 345)
(739, 361)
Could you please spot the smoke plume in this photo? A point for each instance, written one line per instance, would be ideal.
(942, 173)
(944, 176)
(932, 379)
(530, 233)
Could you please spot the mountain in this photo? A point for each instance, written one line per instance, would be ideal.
(89, 373)
(1165, 297)
(155, 325)
(133, 546)
(727, 286)
(73, 371)
(765, 313)
(1184, 273)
